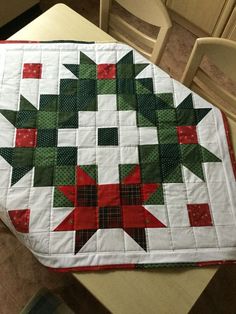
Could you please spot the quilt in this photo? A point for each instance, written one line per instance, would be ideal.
(108, 162)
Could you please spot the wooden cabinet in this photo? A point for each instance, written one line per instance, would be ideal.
(201, 17)
(230, 28)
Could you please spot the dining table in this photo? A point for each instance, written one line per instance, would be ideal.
(163, 290)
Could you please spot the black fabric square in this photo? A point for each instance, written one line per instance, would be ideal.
(110, 217)
(108, 136)
(87, 195)
(131, 194)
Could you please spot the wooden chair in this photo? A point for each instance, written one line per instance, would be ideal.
(150, 11)
(222, 53)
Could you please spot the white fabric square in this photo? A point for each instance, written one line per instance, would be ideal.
(47, 86)
(127, 118)
(106, 57)
(159, 238)
(5, 178)
(18, 198)
(205, 237)
(206, 134)
(108, 174)
(106, 102)
(86, 137)
(62, 242)
(129, 155)
(197, 193)
(218, 192)
(222, 214)
(66, 137)
(110, 240)
(175, 193)
(87, 118)
(178, 216)
(226, 236)
(7, 137)
(129, 136)
(86, 156)
(108, 156)
(106, 118)
(148, 136)
(39, 220)
(40, 197)
(183, 238)
(214, 171)
(38, 242)
(162, 85)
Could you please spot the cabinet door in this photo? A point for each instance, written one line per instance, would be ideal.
(230, 29)
(202, 13)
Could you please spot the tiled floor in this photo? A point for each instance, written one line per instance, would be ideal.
(20, 274)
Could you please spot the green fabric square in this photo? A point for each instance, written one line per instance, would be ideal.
(171, 171)
(64, 175)
(146, 101)
(68, 87)
(106, 87)
(125, 86)
(126, 102)
(47, 137)
(165, 100)
(191, 153)
(48, 102)
(148, 153)
(45, 156)
(151, 173)
(166, 117)
(146, 118)
(47, 120)
(144, 86)
(87, 87)
(156, 198)
(88, 71)
(170, 151)
(108, 136)
(23, 157)
(43, 176)
(26, 119)
(67, 103)
(167, 135)
(66, 156)
(67, 120)
(125, 71)
(86, 102)
(186, 116)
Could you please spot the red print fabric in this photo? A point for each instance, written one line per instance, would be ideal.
(32, 70)
(187, 134)
(106, 71)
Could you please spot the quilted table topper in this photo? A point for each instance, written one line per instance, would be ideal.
(106, 161)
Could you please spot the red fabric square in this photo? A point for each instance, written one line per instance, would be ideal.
(85, 218)
(106, 71)
(32, 70)
(199, 215)
(108, 195)
(133, 217)
(187, 134)
(20, 219)
(26, 137)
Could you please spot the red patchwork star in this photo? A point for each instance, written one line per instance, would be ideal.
(108, 206)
